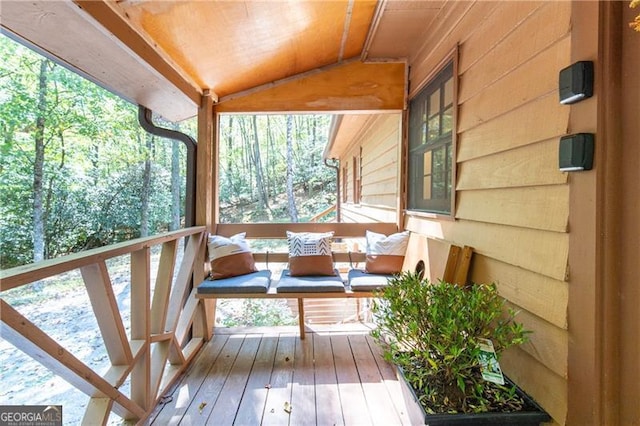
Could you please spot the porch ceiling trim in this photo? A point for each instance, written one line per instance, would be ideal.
(351, 86)
(113, 21)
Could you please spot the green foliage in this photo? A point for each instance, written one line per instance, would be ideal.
(94, 159)
(431, 331)
(94, 154)
(314, 183)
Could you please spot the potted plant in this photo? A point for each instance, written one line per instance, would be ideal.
(440, 336)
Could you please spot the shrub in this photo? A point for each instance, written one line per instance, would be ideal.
(431, 331)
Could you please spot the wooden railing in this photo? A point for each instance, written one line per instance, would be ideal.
(323, 213)
(278, 231)
(167, 329)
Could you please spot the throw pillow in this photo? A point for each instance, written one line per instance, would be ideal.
(310, 253)
(385, 254)
(230, 257)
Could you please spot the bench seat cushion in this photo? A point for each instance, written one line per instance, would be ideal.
(310, 283)
(255, 282)
(360, 280)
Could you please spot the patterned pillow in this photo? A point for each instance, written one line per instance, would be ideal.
(230, 257)
(310, 253)
(385, 255)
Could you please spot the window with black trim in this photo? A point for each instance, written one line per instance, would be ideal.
(431, 126)
(356, 180)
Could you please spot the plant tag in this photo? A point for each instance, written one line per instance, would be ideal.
(489, 366)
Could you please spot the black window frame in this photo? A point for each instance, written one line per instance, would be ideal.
(431, 138)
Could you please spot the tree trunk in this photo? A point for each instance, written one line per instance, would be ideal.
(146, 188)
(268, 159)
(38, 165)
(247, 161)
(230, 158)
(262, 194)
(293, 211)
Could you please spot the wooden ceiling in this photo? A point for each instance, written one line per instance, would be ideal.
(165, 54)
(230, 46)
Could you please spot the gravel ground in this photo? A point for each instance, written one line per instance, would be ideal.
(67, 316)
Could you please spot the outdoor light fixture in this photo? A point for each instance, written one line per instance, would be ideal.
(576, 152)
(576, 82)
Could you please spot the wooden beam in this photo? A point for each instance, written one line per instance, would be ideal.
(163, 286)
(108, 15)
(301, 317)
(159, 355)
(181, 286)
(206, 199)
(97, 411)
(27, 337)
(279, 230)
(103, 300)
(462, 271)
(351, 86)
(186, 318)
(15, 277)
(176, 357)
(452, 262)
(590, 291)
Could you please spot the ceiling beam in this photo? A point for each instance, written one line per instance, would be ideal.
(110, 17)
(351, 86)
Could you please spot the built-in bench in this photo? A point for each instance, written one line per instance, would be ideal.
(352, 282)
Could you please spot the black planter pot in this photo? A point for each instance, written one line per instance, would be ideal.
(532, 415)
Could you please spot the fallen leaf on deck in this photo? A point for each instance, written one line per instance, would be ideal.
(201, 406)
(287, 407)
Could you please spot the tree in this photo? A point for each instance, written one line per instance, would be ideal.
(38, 164)
(72, 172)
(293, 211)
(257, 161)
(146, 187)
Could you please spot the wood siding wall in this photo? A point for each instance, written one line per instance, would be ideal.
(377, 147)
(512, 202)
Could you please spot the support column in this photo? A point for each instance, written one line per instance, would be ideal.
(206, 195)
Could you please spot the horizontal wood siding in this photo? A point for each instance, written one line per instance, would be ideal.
(379, 140)
(512, 203)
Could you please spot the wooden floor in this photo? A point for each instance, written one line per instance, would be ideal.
(269, 376)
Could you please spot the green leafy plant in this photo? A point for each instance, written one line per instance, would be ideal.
(636, 22)
(431, 331)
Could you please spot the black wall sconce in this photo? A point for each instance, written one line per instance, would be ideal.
(576, 82)
(576, 152)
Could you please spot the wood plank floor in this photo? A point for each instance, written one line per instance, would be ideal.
(335, 376)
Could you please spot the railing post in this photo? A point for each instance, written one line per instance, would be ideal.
(206, 200)
(141, 326)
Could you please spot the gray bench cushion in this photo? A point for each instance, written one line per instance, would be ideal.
(255, 282)
(361, 281)
(310, 284)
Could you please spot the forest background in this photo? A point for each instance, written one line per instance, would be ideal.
(77, 171)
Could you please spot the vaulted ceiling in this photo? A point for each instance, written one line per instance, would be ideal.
(165, 54)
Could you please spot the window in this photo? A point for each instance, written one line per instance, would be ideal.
(345, 175)
(356, 180)
(431, 145)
